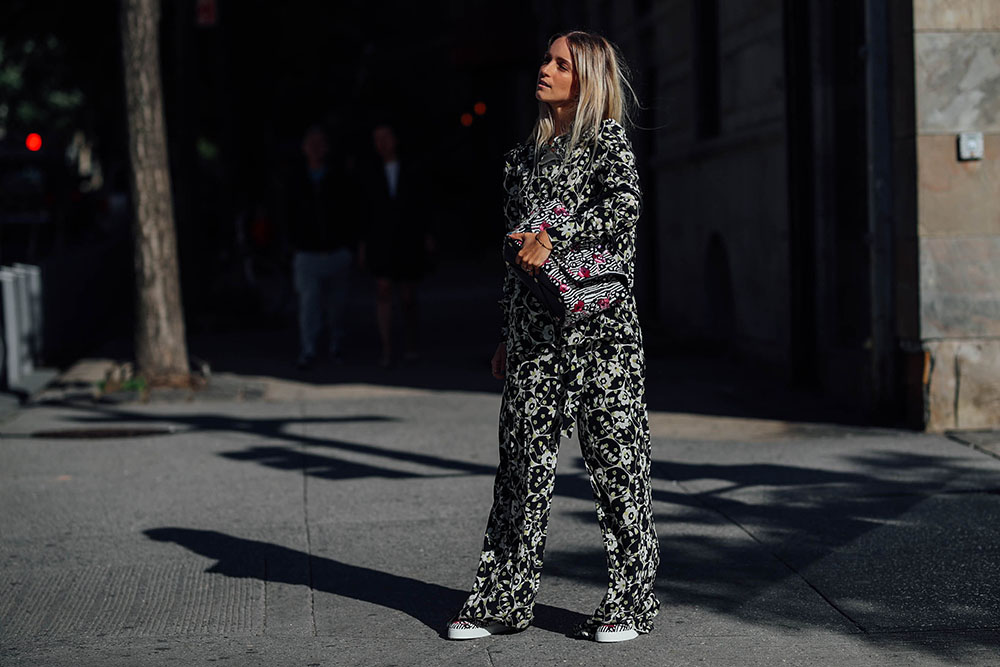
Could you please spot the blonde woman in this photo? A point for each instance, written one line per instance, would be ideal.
(591, 372)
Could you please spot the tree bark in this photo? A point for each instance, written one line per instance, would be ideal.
(160, 347)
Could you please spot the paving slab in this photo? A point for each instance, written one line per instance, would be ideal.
(879, 577)
(897, 532)
(923, 649)
(884, 462)
(260, 651)
(987, 441)
(111, 485)
(345, 531)
(149, 599)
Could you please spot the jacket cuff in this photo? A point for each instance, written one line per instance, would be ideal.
(558, 225)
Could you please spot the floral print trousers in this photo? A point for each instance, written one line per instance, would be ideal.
(601, 384)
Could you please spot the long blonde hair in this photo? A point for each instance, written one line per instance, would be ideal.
(602, 78)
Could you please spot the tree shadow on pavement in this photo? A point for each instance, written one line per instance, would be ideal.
(290, 457)
(431, 604)
(893, 546)
(884, 543)
(329, 467)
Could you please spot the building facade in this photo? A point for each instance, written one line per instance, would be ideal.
(807, 204)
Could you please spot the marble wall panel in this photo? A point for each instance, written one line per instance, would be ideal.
(939, 386)
(957, 81)
(962, 385)
(957, 198)
(959, 287)
(956, 15)
(977, 401)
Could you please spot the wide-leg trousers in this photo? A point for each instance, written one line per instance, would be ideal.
(601, 384)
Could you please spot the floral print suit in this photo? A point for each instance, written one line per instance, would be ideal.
(591, 373)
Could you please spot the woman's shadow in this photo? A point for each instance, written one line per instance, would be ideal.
(431, 604)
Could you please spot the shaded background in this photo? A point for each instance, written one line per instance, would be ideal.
(242, 80)
(807, 223)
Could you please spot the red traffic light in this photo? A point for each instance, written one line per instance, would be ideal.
(479, 108)
(33, 142)
(466, 119)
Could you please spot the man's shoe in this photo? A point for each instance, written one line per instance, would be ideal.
(305, 362)
(615, 632)
(476, 629)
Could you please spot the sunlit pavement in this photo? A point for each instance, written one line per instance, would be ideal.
(294, 521)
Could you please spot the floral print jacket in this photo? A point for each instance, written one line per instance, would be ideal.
(600, 187)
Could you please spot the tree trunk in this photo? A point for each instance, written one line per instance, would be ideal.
(160, 348)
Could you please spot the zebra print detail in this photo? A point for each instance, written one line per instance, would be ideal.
(590, 277)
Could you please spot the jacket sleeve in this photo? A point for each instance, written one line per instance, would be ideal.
(615, 203)
(509, 278)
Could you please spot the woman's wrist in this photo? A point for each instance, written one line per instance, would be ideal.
(543, 240)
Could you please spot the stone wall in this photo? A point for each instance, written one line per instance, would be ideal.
(722, 235)
(957, 88)
(719, 211)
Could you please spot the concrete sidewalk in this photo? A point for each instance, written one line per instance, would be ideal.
(340, 525)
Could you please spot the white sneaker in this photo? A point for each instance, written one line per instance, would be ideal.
(615, 632)
(476, 629)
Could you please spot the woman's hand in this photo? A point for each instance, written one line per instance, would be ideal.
(534, 251)
(499, 362)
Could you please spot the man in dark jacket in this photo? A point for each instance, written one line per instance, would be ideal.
(321, 219)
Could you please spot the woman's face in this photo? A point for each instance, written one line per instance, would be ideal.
(557, 83)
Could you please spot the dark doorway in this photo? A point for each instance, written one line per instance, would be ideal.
(830, 255)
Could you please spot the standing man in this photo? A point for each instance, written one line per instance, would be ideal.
(321, 221)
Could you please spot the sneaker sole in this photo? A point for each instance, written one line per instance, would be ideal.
(478, 633)
(611, 637)
(472, 633)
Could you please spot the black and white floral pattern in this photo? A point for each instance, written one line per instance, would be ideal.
(591, 373)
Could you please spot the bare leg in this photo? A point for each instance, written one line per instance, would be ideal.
(383, 313)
